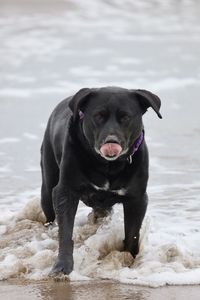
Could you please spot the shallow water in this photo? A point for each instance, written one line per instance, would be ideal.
(92, 290)
(50, 51)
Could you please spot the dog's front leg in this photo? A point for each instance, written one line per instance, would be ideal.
(134, 212)
(65, 205)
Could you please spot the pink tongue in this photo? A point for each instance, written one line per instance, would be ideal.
(110, 149)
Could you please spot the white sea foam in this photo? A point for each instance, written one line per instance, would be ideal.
(15, 92)
(33, 169)
(30, 136)
(9, 140)
(5, 169)
(169, 254)
(174, 83)
(19, 78)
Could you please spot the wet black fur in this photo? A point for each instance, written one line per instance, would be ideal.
(70, 165)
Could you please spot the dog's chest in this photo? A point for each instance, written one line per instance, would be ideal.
(107, 187)
(103, 195)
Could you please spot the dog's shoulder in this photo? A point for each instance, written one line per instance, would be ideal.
(62, 110)
(58, 125)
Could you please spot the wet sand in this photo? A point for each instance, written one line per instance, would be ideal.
(51, 290)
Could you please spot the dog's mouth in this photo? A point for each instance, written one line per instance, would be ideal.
(110, 150)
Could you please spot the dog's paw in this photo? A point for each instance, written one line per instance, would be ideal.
(61, 270)
(48, 224)
(61, 277)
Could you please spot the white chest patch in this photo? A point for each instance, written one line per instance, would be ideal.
(121, 192)
(106, 187)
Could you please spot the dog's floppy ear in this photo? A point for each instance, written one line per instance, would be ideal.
(148, 99)
(78, 100)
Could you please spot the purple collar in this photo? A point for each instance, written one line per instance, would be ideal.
(136, 146)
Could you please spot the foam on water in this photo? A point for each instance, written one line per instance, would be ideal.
(168, 254)
(9, 140)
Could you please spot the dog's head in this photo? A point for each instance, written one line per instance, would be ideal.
(111, 117)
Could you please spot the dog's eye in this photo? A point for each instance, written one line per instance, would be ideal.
(124, 118)
(100, 116)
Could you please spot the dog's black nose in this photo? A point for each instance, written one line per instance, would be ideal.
(111, 139)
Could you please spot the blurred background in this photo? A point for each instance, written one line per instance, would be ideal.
(51, 48)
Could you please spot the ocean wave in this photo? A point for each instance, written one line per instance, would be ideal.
(166, 257)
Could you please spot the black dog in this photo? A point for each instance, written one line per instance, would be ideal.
(94, 150)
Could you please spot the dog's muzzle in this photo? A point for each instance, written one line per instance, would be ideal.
(110, 150)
